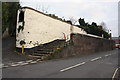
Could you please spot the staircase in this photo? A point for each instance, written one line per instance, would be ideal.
(48, 49)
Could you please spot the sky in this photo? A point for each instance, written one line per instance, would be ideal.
(91, 10)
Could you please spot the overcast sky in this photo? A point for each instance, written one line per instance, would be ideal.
(91, 10)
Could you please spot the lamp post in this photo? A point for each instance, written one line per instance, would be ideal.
(109, 32)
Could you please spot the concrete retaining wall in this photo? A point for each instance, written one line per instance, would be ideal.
(40, 29)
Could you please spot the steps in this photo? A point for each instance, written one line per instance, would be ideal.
(48, 49)
(42, 52)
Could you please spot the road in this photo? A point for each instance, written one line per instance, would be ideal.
(98, 65)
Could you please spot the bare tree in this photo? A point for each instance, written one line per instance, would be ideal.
(104, 26)
(42, 8)
(45, 9)
(73, 20)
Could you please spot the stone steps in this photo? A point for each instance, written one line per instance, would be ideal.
(48, 49)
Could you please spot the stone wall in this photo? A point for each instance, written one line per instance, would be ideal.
(84, 45)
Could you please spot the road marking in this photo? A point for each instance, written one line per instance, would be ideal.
(34, 62)
(106, 55)
(38, 59)
(14, 64)
(96, 58)
(115, 73)
(29, 61)
(24, 64)
(72, 67)
(20, 62)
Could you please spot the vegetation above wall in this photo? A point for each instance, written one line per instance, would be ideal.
(93, 29)
(56, 17)
(89, 28)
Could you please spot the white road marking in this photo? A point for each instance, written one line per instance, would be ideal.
(23, 63)
(20, 62)
(34, 62)
(96, 58)
(38, 59)
(14, 64)
(29, 61)
(106, 55)
(115, 73)
(72, 67)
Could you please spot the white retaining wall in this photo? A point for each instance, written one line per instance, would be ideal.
(41, 29)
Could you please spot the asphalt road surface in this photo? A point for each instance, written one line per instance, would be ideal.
(99, 65)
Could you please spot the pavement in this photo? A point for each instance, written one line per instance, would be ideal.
(99, 65)
(9, 54)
